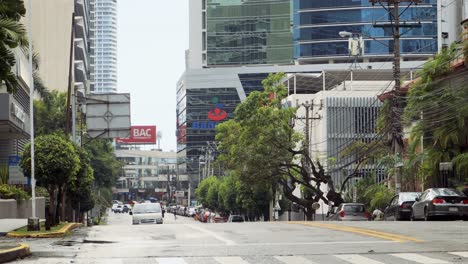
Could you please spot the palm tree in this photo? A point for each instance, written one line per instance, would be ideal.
(12, 35)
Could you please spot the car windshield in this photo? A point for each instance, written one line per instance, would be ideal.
(447, 192)
(355, 208)
(409, 196)
(146, 208)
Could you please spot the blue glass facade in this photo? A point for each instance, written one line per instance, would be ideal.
(317, 25)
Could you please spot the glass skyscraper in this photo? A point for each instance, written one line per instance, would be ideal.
(317, 24)
(248, 32)
(104, 44)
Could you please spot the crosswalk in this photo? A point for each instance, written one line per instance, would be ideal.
(408, 258)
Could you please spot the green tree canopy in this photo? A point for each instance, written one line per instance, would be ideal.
(262, 147)
(80, 187)
(104, 163)
(49, 116)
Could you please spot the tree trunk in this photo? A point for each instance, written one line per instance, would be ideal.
(309, 211)
(52, 206)
(63, 204)
(57, 206)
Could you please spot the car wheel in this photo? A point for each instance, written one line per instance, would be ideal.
(426, 215)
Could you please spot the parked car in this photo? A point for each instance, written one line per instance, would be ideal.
(350, 212)
(235, 219)
(118, 208)
(147, 213)
(191, 212)
(400, 206)
(440, 202)
(126, 208)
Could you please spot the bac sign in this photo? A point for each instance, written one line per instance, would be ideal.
(140, 135)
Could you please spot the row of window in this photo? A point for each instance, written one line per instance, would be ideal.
(332, 32)
(308, 4)
(362, 16)
(408, 46)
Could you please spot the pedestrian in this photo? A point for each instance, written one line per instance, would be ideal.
(175, 215)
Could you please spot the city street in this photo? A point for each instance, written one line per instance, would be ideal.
(187, 241)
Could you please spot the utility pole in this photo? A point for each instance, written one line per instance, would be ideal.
(398, 101)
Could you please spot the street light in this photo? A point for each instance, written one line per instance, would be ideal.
(355, 43)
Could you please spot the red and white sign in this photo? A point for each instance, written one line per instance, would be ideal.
(140, 135)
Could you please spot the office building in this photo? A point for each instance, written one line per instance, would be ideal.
(234, 45)
(104, 46)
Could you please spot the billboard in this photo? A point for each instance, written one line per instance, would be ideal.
(140, 135)
(108, 115)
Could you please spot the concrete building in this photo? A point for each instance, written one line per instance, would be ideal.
(52, 35)
(150, 173)
(341, 113)
(104, 46)
(14, 116)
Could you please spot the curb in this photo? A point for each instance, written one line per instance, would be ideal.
(60, 233)
(21, 251)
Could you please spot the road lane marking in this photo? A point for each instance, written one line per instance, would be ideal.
(171, 261)
(419, 258)
(230, 260)
(357, 259)
(293, 260)
(461, 254)
(367, 232)
(213, 234)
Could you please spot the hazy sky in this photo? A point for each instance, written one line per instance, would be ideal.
(152, 39)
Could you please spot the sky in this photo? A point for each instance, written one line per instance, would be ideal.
(152, 39)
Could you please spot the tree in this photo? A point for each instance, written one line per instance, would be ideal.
(438, 113)
(203, 190)
(56, 165)
(12, 35)
(104, 163)
(49, 116)
(80, 187)
(261, 146)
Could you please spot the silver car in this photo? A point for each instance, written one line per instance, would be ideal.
(350, 212)
(440, 202)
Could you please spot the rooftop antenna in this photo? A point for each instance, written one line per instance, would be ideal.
(159, 136)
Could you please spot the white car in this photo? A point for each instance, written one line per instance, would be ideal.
(114, 206)
(147, 213)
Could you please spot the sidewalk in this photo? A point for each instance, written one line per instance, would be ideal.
(7, 225)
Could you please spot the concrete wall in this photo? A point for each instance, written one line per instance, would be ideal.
(11, 209)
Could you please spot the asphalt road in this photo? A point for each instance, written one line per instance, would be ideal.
(187, 241)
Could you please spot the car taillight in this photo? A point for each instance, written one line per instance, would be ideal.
(405, 205)
(341, 213)
(465, 201)
(438, 201)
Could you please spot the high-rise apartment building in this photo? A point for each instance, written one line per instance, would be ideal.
(104, 46)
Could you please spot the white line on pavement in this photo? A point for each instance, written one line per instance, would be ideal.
(419, 258)
(230, 260)
(171, 261)
(461, 254)
(357, 259)
(213, 234)
(294, 260)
